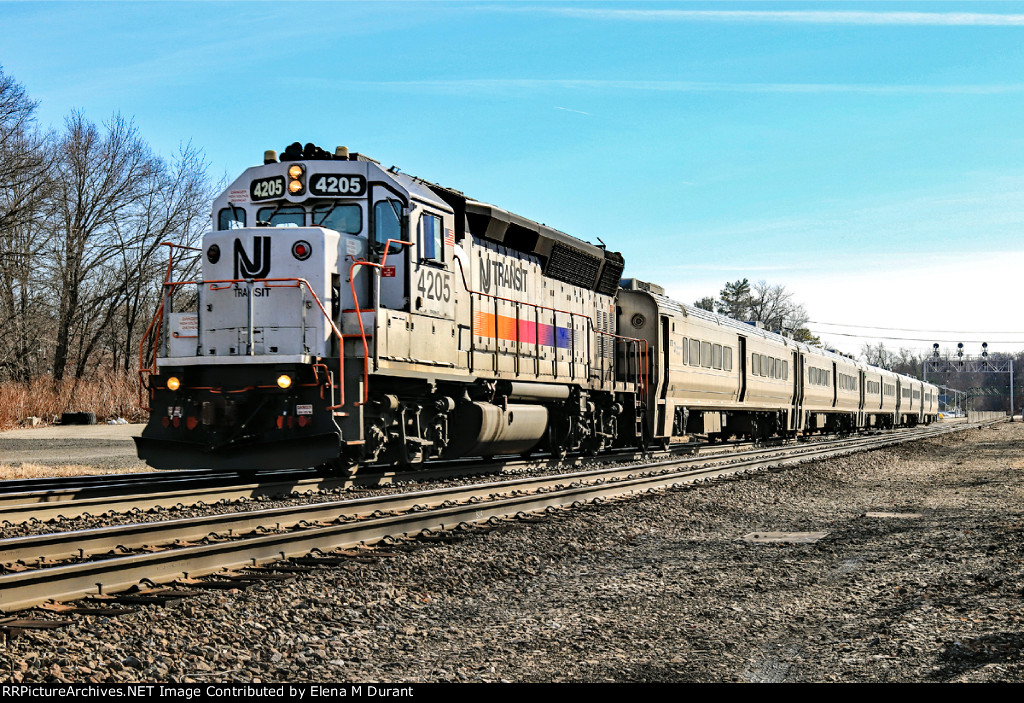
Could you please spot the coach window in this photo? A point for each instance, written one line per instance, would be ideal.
(347, 219)
(430, 230)
(771, 367)
(231, 218)
(727, 359)
(694, 352)
(682, 352)
(716, 356)
(288, 216)
(705, 354)
(785, 370)
(755, 364)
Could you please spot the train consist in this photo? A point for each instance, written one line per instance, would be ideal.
(348, 314)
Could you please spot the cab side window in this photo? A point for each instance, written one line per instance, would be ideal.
(430, 233)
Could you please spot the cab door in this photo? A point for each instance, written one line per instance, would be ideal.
(432, 284)
(390, 223)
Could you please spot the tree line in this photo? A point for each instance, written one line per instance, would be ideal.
(770, 305)
(84, 210)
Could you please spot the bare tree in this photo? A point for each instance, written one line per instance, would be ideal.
(100, 178)
(175, 209)
(26, 159)
(773, 306)
(878, 355)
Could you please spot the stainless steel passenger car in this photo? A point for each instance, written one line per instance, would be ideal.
(718, 378)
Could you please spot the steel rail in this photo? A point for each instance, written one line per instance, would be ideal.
(86, 481)
(23, 589)
(71, 488)
(49, 506)
(53, 505)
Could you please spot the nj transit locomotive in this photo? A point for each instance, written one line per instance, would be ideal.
(349, 314)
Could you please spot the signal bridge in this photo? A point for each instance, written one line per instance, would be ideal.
(968, 364)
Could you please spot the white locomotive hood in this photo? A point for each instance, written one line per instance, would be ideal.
(270, 253)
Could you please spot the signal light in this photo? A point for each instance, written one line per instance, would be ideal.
(296, 179)
(173, 383)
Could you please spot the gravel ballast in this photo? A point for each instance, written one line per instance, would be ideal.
(656, 588)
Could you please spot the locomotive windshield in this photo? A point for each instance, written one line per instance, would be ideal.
(340, 218)
(347, 219)
(282, 216)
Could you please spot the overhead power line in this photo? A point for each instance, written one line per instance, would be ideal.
(906, 329)
(918, 339)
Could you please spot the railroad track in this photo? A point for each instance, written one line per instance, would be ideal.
(44, 500)
(93, 563)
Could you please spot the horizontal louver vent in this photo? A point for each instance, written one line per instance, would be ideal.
(572, 266)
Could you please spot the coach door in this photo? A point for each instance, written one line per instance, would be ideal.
(665, 417)
(798, 392)
(743, 369)
(835, 386)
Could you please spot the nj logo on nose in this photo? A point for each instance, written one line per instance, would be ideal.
(259, 265)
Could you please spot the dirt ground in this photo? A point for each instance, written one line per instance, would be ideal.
(69, 450)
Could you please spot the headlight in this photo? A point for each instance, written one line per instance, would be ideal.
(284, 380)
(296, 179)
(173, 383)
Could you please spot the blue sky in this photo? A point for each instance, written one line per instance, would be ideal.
(867, 155)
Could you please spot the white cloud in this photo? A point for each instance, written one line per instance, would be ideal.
(472, 85)
(568, 109)
(941, 19)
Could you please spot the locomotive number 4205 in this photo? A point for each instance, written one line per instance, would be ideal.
(434, 286)
(336, 184)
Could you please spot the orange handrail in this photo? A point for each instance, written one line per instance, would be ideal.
(157, 320)
(359, 311)
(268, 283)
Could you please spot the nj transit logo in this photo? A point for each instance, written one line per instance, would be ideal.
(259, 265)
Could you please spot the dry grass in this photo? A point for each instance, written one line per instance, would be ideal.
(8, 472)
(109, 397)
